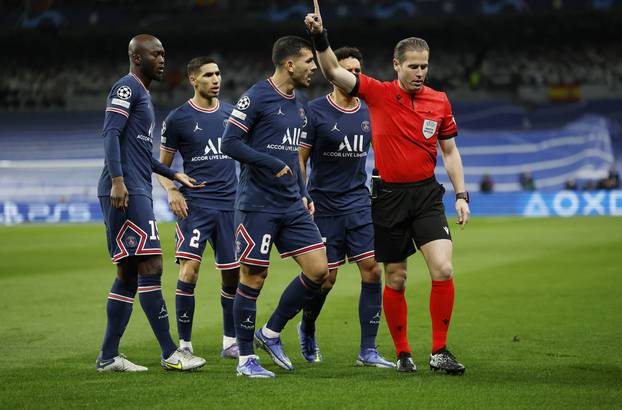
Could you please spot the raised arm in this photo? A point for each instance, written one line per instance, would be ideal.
(333, 72)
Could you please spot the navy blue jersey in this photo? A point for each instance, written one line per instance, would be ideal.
(263, 133)
(129, 112)
(197, 134)
(339, 139)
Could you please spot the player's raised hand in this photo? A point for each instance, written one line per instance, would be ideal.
(284, 171)
(177, 203)
(119, 197)
(313, 21)
(463, 213)
(187, 181)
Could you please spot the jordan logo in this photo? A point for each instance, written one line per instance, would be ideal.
(335, 128)
(280, 112)
(197, 128)
(163, 313)
(248, 324)
(185, 316)
(375, 320)
(446, 229)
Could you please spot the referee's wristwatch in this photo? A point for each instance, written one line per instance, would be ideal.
(463, 195)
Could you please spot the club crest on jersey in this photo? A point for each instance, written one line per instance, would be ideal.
(243, 103)
(429, 128)
(130, 241)
(365, 126)
(124, 92)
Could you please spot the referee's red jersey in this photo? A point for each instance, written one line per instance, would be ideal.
(406, 128)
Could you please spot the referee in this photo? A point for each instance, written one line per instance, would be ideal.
(408, 121)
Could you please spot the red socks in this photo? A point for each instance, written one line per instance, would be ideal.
(396, 313)
(441, 305)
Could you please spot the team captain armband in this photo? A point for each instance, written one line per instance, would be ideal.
(355, 90)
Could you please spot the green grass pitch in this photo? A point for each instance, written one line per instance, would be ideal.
(537, 322)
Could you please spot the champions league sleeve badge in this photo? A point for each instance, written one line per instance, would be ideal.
(124, 92)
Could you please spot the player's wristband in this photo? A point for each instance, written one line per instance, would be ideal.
(463, 195)
(320, 40)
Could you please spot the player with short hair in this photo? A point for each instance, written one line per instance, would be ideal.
(124, 193)
(195, 130)
(338, 140)
(408, 121)
(272, 203)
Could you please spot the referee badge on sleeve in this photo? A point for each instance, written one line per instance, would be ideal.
(429, 128)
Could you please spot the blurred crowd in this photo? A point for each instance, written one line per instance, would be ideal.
(43, 87)
(67, 53)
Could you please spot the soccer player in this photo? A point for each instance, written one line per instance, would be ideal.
(195, 130)
(272, 203)
(408, 121)
(124, 193)
(337, 141)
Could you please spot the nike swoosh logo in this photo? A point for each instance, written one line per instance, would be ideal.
(176, 366)
(105, 363)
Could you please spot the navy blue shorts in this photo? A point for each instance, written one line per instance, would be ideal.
(350, 235)
(293, 234)
(131, 231)
(202, 225)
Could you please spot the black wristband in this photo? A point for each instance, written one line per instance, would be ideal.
(463, 195)
(320, 40)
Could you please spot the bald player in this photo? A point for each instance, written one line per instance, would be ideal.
(124, 193)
